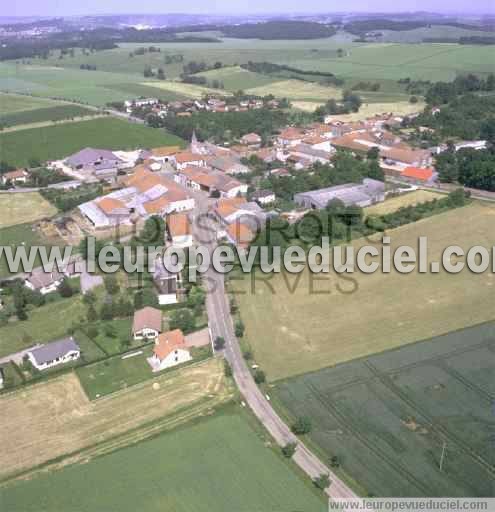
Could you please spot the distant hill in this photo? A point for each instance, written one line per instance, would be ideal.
(280, 30)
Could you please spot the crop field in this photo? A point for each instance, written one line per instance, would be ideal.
(304, 322)
(211, 465)
(54, 419)
(46, 323)
(188, 90)
(48, 114)
(30, 207)
(236, 78)
(56, 142)
(14, 103)
(408, 199)
(298, 90)
(397, 411)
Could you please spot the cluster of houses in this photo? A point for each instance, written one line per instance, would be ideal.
(170, 348)
(188, 107)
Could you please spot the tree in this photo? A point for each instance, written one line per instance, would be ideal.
(413, 99)
(106, 311)
(65, 289)
(334, 462)
(289, 449)
(182, 319)
(340, 53)
(145, 297)
(227, 369)
(219, 343)
(110, 330)
(259, 376)
(301, 426)
(322, 482)
(239, 329)
(160, 74)
(111, 284)
(91, 315)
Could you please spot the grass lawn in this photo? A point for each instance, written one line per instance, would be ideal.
(122, 330)
(22, 209)
(409, 199)
(114, 374)
(60, 141)
(394, 411)
(46, 323)
(15, 236)
(218, 464)
(54, 419)
(338, 318)
(40, 115)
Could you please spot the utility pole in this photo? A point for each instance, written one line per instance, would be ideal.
(442, 458)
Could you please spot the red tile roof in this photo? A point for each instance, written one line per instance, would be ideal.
(168, 342)
(417, 173)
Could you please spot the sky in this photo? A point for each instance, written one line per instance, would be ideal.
(78, 7)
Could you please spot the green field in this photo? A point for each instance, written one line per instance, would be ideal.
(218, 464)
(394, 411)
(14, 103)
(114, 374)
(236, 78)
(21, 209)
(370, 61)
(297, 324)
(21, 234)
(40, 115)
(44, 324)
(56, 142)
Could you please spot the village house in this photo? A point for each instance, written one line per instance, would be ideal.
(264, 197)
(166, 284)
(418, 176)
(44, 282)
(365, 194)
(311, 155)
(165, 154)
(146, 194)
(15, 177)
(290, 137)
(240, 235)
(186, 158)
(54, 354)
(147, 324)
(228, 165)
(202, 178)
(170, 350)
(252, 140)
(180, 230)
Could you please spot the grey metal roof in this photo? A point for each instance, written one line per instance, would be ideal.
(89, 156)
(52, 351)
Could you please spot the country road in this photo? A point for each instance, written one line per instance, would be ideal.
(221, 324)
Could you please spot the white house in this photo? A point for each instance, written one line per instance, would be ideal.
(166, 284)
(264, 197)
(15, 177)
(186, 158)
(179, 230)
(170, 350)
(44, 282)
(147, 323)
(54, 354)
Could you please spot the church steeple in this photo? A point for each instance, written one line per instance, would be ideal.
(195, 148)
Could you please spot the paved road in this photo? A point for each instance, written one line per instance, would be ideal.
(221, 325)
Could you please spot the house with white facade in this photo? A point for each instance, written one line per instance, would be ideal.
(44, 282)
(170, 350)
(54, 354)
(147, 324)
(180, 230)
(166, 284)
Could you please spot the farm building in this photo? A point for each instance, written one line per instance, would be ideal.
(146, 194)
(15, 177)
(365, 194)
(166, 284)
(54, 354)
